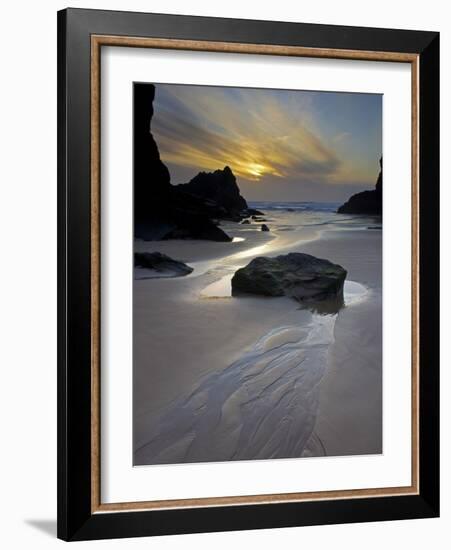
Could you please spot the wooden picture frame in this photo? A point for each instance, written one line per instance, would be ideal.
(81, 35)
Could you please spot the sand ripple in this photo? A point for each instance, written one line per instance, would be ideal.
(262, 406)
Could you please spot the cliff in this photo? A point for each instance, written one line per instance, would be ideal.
(150, 175)
(366, 202)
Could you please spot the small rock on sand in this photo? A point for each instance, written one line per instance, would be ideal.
(161, 264)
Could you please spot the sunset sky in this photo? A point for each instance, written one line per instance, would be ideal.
(281, 145)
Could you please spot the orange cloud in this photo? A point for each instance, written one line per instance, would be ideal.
(255, 133)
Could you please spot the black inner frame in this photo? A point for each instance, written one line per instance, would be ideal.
(75, 520)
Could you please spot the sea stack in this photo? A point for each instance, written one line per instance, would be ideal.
(366, 202)
(219, 190)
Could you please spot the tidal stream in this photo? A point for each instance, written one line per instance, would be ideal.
(263, 405)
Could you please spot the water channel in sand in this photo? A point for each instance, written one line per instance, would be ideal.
(263, 405)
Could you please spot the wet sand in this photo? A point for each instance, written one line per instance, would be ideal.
(349, 420)
(219, 378)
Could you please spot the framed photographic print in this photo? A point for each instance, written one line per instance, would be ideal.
(248, 274)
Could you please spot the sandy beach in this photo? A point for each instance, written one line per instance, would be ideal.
(220, 378)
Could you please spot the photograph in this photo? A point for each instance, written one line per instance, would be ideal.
(257, 274)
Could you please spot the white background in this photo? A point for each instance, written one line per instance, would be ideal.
(28, 274)
(120, 481)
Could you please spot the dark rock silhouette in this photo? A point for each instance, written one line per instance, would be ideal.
(161, 210)
(301, 276)
(219, 191)
(151, 176)
(366, 202)
(163, 265)
(254, 212)
(265, 227)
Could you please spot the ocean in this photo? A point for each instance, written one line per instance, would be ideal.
(288, 216)
(296, 206)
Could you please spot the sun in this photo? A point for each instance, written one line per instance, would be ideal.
(256, 170)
